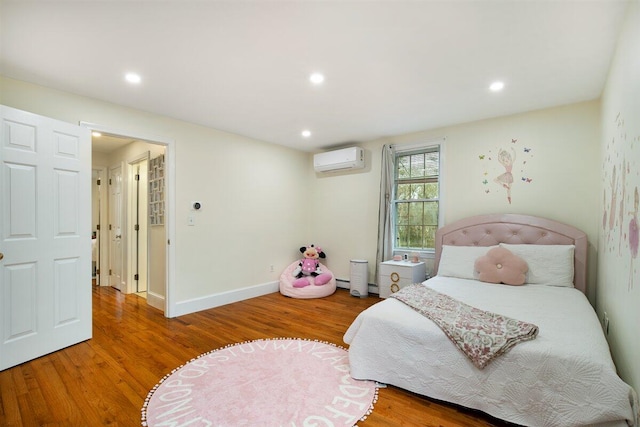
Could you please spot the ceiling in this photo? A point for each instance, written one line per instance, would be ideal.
(105, 143)
(391, 67)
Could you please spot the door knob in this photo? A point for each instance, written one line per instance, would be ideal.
(1, 255)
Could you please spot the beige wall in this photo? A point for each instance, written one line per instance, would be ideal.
(618, 266)
(344, 210)
(252, 217)
(255, 195)
(562, 162)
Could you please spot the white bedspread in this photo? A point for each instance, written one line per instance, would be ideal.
(565, 377)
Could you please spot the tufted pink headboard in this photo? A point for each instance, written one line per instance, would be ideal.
(489, 230)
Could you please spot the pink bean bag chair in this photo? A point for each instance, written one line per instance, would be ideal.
(308, 278)
(312, 291)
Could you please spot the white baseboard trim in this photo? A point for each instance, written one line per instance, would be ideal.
(223, 298)
(156, 301)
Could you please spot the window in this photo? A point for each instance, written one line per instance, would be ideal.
(416, 199)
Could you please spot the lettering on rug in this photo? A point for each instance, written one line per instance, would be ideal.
(280, 382)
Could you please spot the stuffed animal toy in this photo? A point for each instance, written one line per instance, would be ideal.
(309, 266)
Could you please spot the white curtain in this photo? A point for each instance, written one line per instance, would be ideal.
(385, 244)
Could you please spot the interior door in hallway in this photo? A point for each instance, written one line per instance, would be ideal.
(140, 202)
(45, 236)
(115, 228)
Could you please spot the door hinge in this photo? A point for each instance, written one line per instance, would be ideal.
(136, 227)
(135, 277)
(97, 226)
(168, 241)
(109, 181)
(97, 271)
(109, 226)
(110, 272)
(99, 181)
(137, 177)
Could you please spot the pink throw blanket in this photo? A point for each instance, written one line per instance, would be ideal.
(481, 335)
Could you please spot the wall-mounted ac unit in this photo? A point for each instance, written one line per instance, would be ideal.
(344, 159)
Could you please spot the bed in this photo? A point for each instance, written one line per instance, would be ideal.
(563, 377)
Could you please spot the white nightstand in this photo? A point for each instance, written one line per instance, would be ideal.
(393, 275)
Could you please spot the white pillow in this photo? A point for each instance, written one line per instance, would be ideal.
(548, 264)
(458, 261)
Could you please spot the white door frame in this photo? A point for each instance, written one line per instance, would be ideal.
(170, 187)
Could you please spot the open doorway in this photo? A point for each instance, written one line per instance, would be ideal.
(128, 236)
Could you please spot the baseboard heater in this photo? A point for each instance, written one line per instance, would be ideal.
(346, 284)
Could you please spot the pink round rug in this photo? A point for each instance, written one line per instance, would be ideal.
(278, 382)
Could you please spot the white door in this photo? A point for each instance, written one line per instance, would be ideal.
(45, 236)
(140, 214)
(96, 182)
(115, 228)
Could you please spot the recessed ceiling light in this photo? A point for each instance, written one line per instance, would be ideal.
(133, 78)
(306, 133)
(96, 134)
(496, 86)
(316, 78)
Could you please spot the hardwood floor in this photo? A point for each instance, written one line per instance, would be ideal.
(104, 381)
